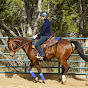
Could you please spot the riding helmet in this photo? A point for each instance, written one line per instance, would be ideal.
(44, 14)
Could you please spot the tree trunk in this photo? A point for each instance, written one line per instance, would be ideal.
(29, 7)
(29, 15)
(82, 22)
(82, 27)
(38, 10)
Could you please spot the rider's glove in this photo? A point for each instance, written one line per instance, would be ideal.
(35, 36)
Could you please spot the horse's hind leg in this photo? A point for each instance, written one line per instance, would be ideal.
(65, 69)
(60, 78)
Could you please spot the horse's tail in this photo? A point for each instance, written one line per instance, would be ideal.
(80, 50)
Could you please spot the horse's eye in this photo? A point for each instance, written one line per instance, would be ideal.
(17, 46)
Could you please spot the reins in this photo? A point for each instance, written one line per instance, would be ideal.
(20, 46)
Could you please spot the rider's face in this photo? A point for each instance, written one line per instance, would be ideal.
(43, 17)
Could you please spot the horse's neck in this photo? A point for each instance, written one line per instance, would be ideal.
(26, 46)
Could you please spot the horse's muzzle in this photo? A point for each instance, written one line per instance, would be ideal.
(12, 54)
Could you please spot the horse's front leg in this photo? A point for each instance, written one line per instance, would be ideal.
(36, 63)
(31, 72)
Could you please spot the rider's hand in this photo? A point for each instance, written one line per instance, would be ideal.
(35, 36)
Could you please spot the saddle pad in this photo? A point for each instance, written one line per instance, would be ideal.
(57, 39)
(50, 42)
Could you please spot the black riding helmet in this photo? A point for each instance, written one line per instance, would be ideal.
(44, 14)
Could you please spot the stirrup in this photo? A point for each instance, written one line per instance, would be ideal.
(39, 57)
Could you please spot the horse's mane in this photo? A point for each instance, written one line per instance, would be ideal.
(24, 39)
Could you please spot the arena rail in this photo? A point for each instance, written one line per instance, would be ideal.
(26, 60)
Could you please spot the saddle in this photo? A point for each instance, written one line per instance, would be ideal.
(50, 42)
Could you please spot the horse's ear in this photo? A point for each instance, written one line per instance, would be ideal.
(8, 39)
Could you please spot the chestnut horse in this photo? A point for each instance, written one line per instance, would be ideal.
(62, 51)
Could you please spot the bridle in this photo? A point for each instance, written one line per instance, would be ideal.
(19, 46)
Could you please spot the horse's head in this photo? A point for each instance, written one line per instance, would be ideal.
(16, 43)
(12, 45)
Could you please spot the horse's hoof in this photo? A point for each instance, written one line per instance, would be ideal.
(43, 82)
(63, 82)
(36, 79)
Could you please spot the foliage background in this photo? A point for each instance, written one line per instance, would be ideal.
(21, 18)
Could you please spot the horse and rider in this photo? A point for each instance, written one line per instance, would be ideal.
(62, 50)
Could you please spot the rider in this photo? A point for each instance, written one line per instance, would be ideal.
(45, 34)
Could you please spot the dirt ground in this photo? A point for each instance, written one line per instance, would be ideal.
(26, 81)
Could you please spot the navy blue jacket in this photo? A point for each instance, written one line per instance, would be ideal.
(45, 28)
